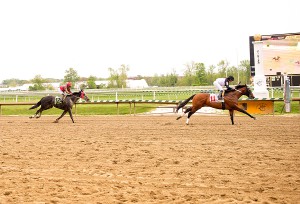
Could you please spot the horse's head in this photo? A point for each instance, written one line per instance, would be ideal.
(245, 90)
(83, 95)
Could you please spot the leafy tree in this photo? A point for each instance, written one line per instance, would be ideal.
(71, 76)
(91, 82)
(14, 82)
(153, 81)
(210, 74)
(200, 72)
(118, 77)
(49, 87)
(222, 68)
(233, 71)
(37, 83)
(123, 75)
(139, 77)
(244, 71)
(172, 78)
(189, 75)
(168, 80)
(113, 78)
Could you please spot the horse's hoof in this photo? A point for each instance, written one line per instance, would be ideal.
(178, 118)
(56, 121)
(254, 118)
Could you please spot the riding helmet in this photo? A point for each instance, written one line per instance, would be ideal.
(69, 84)
(231, 78)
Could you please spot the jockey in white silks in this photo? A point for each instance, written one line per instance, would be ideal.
(221, 82)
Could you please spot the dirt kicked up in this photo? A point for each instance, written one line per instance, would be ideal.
(150, 159)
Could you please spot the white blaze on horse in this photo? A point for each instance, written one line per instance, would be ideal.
(48, 102)
(230, 102)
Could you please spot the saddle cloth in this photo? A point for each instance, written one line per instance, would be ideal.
(58, 100)
(214, 98)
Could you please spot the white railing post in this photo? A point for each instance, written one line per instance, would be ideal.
(272, 92)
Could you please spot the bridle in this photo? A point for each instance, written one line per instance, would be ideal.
(247, 91)
(237, 90)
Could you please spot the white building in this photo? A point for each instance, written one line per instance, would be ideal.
(136, 84)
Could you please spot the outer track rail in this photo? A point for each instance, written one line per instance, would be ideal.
(134, 102)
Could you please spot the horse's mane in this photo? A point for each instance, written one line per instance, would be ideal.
(240, 86)
(236, 87)
(76, 93)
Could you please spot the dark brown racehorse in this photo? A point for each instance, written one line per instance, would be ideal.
(48, 102)
(230, 102)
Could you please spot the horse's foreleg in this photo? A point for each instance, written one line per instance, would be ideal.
(62, 115)
(231, 116)
(71, 115)
(245, 112)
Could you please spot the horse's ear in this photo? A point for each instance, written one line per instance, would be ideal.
(239, 83)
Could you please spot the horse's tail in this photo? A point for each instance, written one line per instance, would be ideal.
(36, 105)
(182, 104)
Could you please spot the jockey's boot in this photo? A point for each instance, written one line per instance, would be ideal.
(220, 95)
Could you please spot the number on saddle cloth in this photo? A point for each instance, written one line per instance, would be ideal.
(58, 100)
(213, 97)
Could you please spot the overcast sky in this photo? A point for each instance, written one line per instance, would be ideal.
(46, 38)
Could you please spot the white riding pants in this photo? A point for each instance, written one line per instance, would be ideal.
(218, 86)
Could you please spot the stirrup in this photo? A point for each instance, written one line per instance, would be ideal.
(220, 96)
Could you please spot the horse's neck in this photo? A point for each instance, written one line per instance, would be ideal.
(236, 93)
(74, 98)
(239, 93)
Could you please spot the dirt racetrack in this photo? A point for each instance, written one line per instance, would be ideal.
(150, 159)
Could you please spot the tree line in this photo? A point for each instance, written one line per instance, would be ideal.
(195, 74)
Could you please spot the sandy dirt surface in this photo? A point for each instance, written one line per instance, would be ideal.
(150, 159)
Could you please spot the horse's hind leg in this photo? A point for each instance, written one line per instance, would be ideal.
(193, 110)
(37, 114)
(189, 115)
(62, 115)
(33, 116)
(186, 111)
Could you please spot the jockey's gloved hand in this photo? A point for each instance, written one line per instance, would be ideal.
(229, 88)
